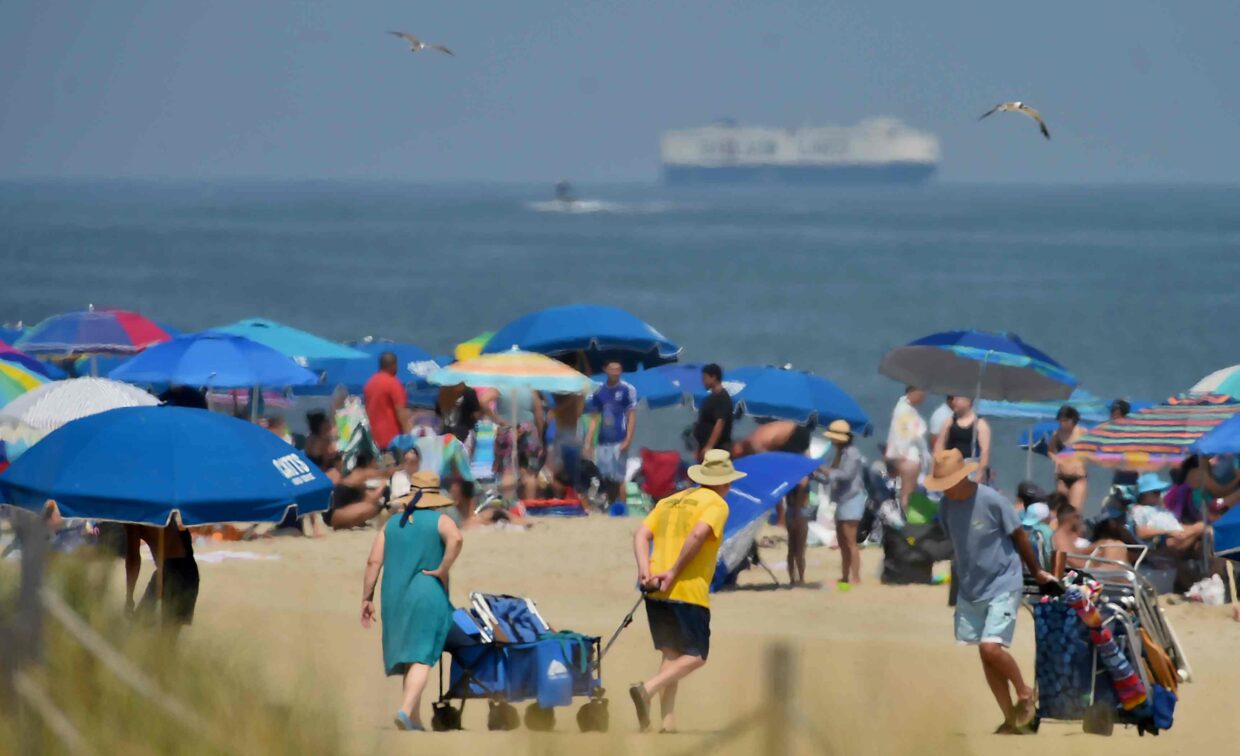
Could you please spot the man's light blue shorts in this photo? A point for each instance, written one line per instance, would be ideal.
(990, 621)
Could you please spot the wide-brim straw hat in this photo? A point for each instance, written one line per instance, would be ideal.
(839, 432)
(425, 486)
(716, 469)
(950, 467)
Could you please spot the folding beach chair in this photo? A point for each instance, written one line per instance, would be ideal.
(660, 473)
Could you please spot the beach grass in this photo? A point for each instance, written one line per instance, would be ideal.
(219, 682)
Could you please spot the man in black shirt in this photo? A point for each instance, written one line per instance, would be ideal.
(713, 429)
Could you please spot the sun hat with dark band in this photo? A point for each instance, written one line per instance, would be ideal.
(950, 467)
(424, 493)
(839, 432)
(716, 469)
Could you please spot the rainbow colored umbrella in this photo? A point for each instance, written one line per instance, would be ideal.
(16, 380)
(103, 331)
(1153, 437)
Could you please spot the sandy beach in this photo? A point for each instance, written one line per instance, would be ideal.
(878, 670)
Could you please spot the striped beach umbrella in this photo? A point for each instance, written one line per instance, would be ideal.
(17, 379)
(102, 331)
(514, 370)
(1154, 437)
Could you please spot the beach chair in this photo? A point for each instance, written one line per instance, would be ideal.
(660, 474)
(504, 651)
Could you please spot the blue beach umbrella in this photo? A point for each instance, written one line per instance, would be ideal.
(768, 478)
(789, 394)
(653, 386)
(1227, 534)
(213, 360)
(1223, 439)
(687, 376)
(413, 365)
(981, 364)
(1092, 408)
(304, 348)
(144, 464)
(597, 332)
(11, 333)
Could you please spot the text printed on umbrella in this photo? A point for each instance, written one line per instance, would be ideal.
(292, 467)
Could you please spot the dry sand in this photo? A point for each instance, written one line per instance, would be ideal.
(878, 670)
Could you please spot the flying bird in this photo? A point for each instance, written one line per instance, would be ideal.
(417, 45)
(1020, 107)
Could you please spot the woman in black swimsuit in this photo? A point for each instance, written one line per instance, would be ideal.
(960, 434)
(1070, 477)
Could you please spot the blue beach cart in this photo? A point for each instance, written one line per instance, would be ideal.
(503, 651)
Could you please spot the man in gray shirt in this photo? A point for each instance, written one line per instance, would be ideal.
(990, 545)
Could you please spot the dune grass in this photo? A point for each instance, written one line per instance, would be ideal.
(217, 680)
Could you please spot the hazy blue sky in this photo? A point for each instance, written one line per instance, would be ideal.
(548, 88)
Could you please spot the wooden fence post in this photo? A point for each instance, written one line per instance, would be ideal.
(779, 690)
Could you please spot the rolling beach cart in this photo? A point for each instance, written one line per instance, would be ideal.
(503, 651)
(1105, 652)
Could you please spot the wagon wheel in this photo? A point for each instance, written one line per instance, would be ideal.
(539, 719)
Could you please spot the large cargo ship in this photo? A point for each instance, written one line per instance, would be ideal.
(875, 151)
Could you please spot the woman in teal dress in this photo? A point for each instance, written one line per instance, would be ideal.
(414, 552)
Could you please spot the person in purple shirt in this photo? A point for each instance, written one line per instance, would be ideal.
(613, 413)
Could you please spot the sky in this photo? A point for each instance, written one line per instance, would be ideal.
(542, 89)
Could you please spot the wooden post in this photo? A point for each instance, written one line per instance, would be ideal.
(779, 690)
(21, 633)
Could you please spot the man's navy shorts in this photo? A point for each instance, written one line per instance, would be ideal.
(677, 626)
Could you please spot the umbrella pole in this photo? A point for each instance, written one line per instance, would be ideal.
(94, 366)
(516, 475)
(1029, 455)
(254, 404)
(159, 565)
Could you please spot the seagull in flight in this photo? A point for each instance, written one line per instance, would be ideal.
(1020, 107)
(417, 45)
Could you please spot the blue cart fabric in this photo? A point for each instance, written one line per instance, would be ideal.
(549, 667)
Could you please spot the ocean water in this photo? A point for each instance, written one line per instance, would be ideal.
(1135, 289)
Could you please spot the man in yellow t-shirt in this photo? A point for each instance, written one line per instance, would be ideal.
(676, 548)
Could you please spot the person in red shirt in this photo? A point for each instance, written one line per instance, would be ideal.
(386, 403)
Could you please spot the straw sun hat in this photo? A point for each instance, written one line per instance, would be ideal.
(425, 486)
(839, 432)
(950, 467)
(716, 469)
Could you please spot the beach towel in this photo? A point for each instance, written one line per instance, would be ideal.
(353, 432)
(1124, 678)
(483, 464)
